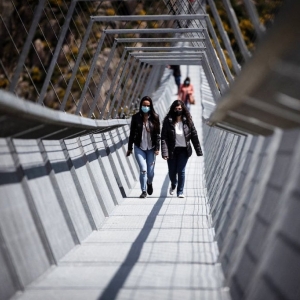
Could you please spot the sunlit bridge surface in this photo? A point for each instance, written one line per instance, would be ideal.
(72, 223)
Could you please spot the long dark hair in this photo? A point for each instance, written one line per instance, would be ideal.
(185, 113)
(154, 116)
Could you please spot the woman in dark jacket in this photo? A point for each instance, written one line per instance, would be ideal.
(177, 133)
(145, 136)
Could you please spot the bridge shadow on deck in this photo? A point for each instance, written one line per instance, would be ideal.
(117, 282)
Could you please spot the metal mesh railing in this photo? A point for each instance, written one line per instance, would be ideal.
(72, 56)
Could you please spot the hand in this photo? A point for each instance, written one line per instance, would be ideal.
(165, 157)
(129, 152)
(156, 152)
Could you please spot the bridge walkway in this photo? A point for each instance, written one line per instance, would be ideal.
(161, 247)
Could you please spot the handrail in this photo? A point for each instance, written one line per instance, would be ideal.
(21, 109)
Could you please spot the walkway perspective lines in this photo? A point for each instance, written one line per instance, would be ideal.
(161, 247)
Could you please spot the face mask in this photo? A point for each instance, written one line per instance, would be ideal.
(145, 109)
(187, 82)
(178, 113)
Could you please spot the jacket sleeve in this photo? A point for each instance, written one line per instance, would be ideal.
(158, 139)
(195, 141)
(180, 93)
(132, 132)
(164, 140)
(191, 91)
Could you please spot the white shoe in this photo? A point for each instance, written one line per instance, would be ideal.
(181, 196)
(171, 191)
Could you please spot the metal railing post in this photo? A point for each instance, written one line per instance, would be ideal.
(259, 27)
(149, 80)
(225, 38)
(133, 80)
(103, 77)
(236, 29)
(121, 79)
(216, 67)
(25, 50)
(76, 66)
(133, 96)
(57, 51)
(91, 70)
(219, 49)
(113, 82)
(142, 81)
(210, 78)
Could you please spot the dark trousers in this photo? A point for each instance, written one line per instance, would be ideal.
(177, 81)
(176, 167)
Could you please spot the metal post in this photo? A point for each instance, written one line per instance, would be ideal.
(210, 78)
(154, 81)
(156, 31)
(103, 77)
(76, 66)
(161, 62)
(259, 28)
(142, 81)
(113, 82)
(121, 79)
(148, 17)
(215, 64)
(133, 80)
(236, 29)
(219, 49)
(149, 80)
(166, 54)
(93, 64)
(162, 58)
(225, 38)
(57, 50)
(25, 50)
(160, 40)
(165, 49)
(133, 96)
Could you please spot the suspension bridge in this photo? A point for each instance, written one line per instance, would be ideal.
(72, 225)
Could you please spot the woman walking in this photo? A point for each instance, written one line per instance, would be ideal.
(186, 91)
(145, 136)
(177, 133)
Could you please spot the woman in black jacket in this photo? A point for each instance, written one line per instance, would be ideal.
(145, 136)
(177, 133)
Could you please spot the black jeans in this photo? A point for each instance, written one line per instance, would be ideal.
(177, 166)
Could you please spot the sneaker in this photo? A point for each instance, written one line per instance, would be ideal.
(171, 190)
(143, 195)
(149, 188)
(181, 196)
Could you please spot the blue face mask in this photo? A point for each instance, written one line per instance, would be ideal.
(187, 82)
(145, 109)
